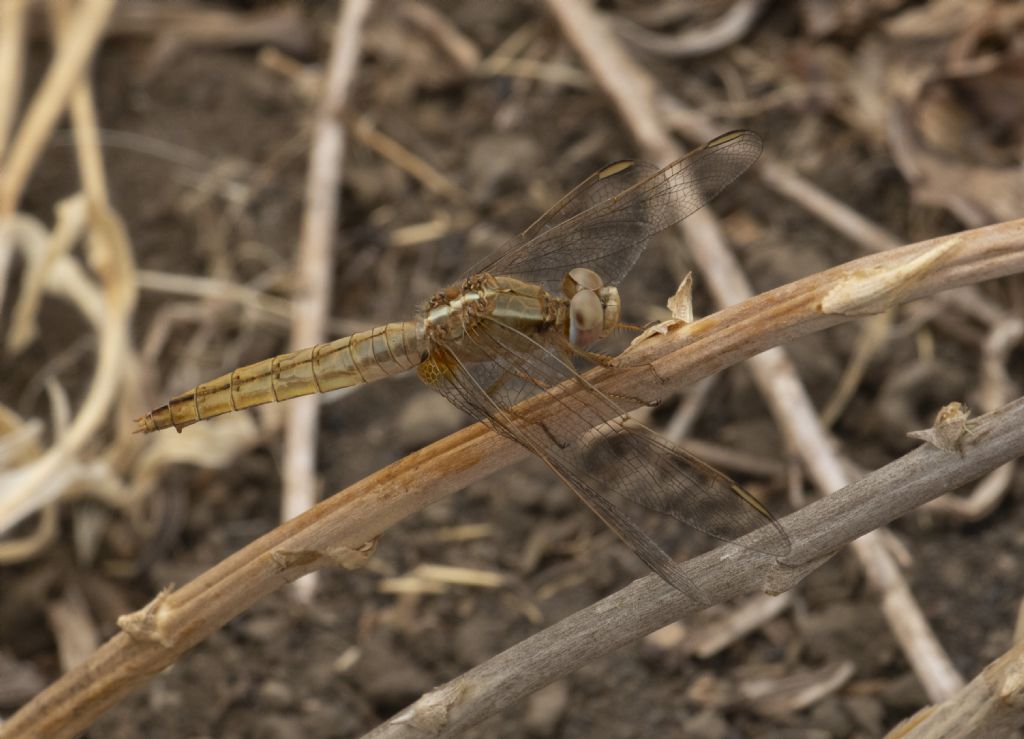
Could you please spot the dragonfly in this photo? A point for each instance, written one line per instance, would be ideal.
(518, 326)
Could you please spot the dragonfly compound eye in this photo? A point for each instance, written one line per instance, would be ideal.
(586, 318)
(612, 308)
(581, 278)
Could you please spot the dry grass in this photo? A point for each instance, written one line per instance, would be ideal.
(83, 256)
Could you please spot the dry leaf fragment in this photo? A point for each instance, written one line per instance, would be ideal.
(287, 559)
(348, 557)
(681, 306)
(468, 576)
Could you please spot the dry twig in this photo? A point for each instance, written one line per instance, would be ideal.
(12, 58)
(311, 302)
(48, 104)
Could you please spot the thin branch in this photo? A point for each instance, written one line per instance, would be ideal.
(312, 299)
(13, 16)
(724, 573)
(49, 103)
(342, 529)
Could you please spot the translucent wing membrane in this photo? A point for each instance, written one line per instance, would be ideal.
(602, 185)
(606, 222)
(595, 456)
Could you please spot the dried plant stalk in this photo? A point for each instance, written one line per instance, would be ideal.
(48, 104)
(108, 250)
(311, 304)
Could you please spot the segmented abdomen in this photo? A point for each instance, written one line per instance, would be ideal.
(352, 360)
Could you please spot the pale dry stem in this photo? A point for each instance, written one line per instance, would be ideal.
(267, 307)
(40, 482)
(364, 131)
(724, 31)
(13, 16)
(456, 45)
(74, 464)
(311, 302)
(49, 103)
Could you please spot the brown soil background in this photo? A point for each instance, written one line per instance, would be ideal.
(206, 154)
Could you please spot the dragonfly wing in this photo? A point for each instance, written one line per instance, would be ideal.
(465, 388)
(593, 450)
(603, 184)
(606, 222)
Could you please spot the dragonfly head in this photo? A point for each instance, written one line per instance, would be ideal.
(594, 309)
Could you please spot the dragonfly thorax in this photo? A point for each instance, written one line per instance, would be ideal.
(488, 306)
(458, 313)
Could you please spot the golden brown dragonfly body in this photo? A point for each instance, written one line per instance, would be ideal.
(451, 318)
(515, 327)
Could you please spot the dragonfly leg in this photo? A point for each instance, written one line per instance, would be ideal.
(525, 377)
(630, 327)
(569, 350)
(604, 360)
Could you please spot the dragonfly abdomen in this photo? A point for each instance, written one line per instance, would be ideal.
(351, 360)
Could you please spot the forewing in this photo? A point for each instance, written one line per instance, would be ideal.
(593, 450)
(603, 184)
(600, 186)
(606, 222)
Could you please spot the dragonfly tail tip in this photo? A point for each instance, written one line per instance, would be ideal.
(144, 425)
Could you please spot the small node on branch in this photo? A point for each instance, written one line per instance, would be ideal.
(149, 622)
(950, 429)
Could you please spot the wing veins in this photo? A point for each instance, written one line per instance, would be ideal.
(643, 546)
(661, 199)
(710, 490)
